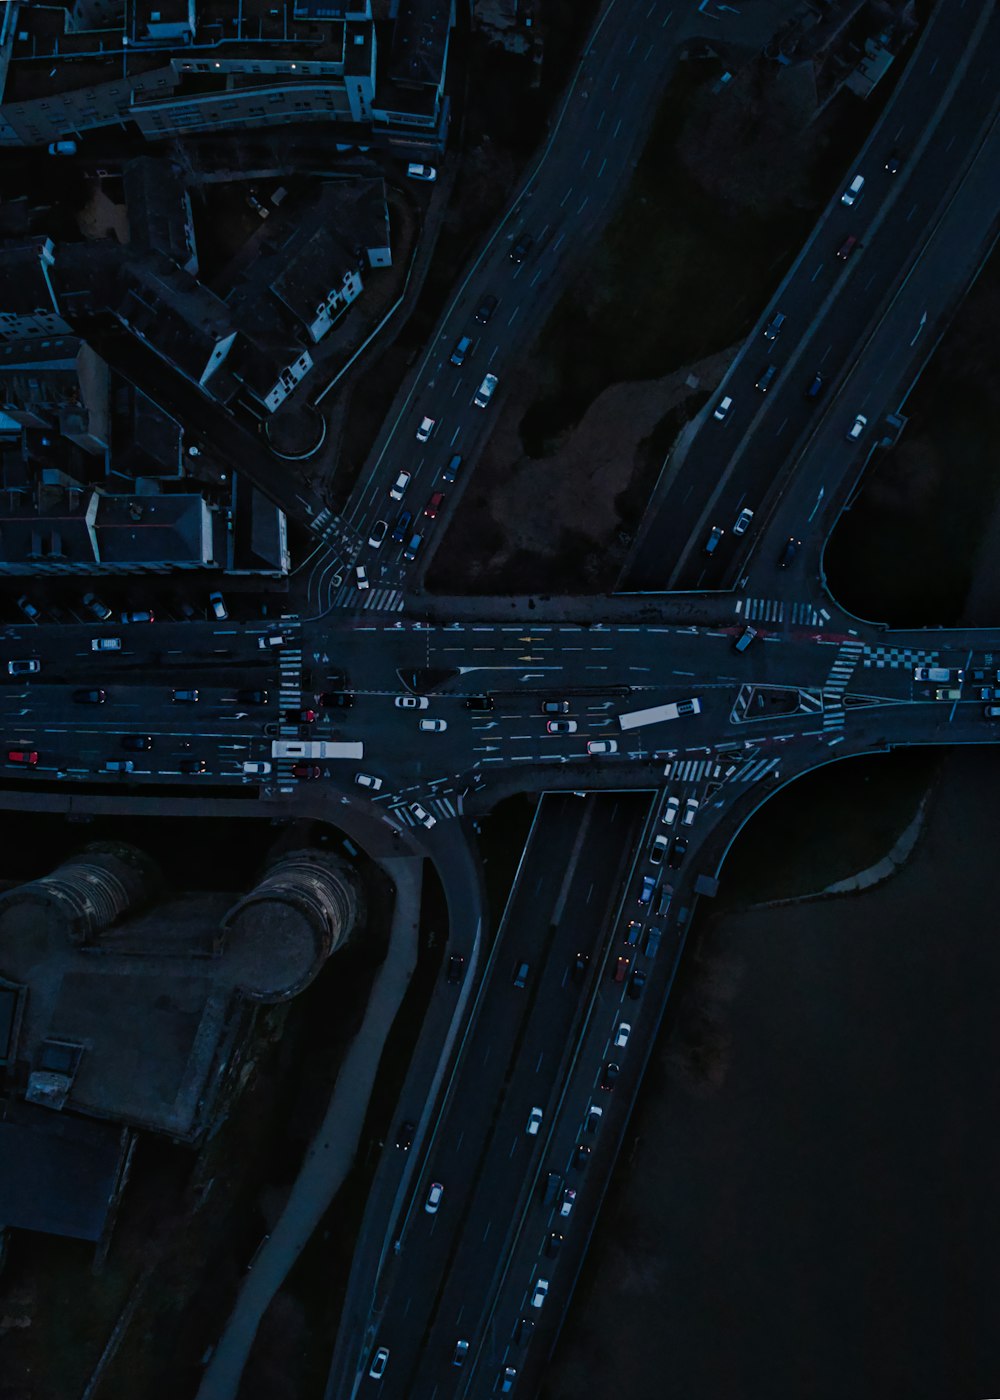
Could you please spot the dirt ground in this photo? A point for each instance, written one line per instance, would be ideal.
(523, 518)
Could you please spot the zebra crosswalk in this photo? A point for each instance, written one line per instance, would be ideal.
(843, 668)
(371, 599)
(440, 807)
(779, 610)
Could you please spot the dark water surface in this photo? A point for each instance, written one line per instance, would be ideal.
(811, 1208)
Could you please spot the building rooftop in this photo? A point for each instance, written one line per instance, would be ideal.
(420, 43)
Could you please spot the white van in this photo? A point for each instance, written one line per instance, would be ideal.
(853, 190)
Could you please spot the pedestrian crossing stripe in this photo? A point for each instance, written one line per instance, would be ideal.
(779, 610)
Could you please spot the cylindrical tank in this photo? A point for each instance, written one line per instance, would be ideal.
(87, 893)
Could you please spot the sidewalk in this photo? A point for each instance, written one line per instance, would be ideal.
(332, 1152)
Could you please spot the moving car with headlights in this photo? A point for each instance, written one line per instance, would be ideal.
(485, 391)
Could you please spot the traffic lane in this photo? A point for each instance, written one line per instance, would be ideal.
(801, 301)
(427, 1241)
(534, 1081)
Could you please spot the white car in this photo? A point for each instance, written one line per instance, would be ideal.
(433, 726)
(411, 702)
(593, 1119)
(723, 408)
(106, 644)
(622, 1035)
(421, 172)
(434, 1198)
(424, 818)
(857, 428)
(743, 521)
(361, 577)
(256, 768)
(670, 810)
(379, 531)
(369, 781)
(218, 606)
(534, 1122)
(270, 641)
(561, 726)
(690, 811)
(853, 190)
(427, 426)
(401, 483)
(568, 1201)
(658, 849)
(596, 746)
(540, 1293)
(379, 1362)
(485, 391)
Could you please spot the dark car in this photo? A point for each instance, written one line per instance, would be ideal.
(765, 377)
(578, 968)
(137, 743)
(555, 707)
(522, 248)
(404, 1137)
(848, 246)
(610, 1073)
(581, 1157)
(456, 968)
(252, 697)
(90, 697)
(677, 852)
(486, 309)
(306, 771)
(524, 1330)
(892, 163)
(336, 699)
(773, 328)
(480, 702)
(553, 1244)
(788, 553)
(192, 765)
(815, 387)
(452, 469)
(402, 525)
(300, 716)
(636, 983)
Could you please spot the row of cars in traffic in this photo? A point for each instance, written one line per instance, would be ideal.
(99, 610)
(947, 684)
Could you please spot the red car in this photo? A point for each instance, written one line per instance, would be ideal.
(28, 756)
(306, 770)
(300, 716)
(434, 505)
(621, 968)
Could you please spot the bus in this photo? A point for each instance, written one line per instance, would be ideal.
(315, 748)
(678, 708)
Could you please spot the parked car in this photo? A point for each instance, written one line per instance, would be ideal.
(421, 172)
(28, 608)
(218, 605)
(95, 607)
(139, 615)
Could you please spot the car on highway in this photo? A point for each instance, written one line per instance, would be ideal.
(413, 548)
(106, 644)
(399, 486)
(193, 765)
(138, 743)
(853, 190)
(743, 521)
(434, 505)
(714, 539)
(581, 1157)
(789, 552)
(857, 427)
(379, 531)
(24, 756)
(379, 1362)
(815, 387)
(670, 809)
(411, 702)
(462, 347)
(534, 1122)
(456, 969)
(722, 409)
(427, 426)
(561, 726)
(452, 469)
(677, 852)
(90, 697)
(119, 765)
(652, 945)
(486, 308)
(553, 1244)
(636, 983)
(524, 1330)
(620, 967)
(404, 1135)
(610, 1074)
(634, 932)
(368, 781)
(521, 248)
(658, 849)
(30, 667)
(648, 886)
(540, 1292)
(481, 703)
(773, 328)
(567, 1203)
(138, 615)
(402, 526)
(555, 707)
(218, 605)
(424, 818)
(252, 697)
(184, 697)
(461, 1352)
(361, 577)
(578, 967)
(306, 771)
(593, 1120)
(943, 674)
(847, 247)
(415, 171)
(948, 693)
(433, 726)
(96, 608)
(690, 811)
(28, 608)
(765, 379)
(433, 1200)
(485, 391)
(663, 903)
(601, 746)
(892, 163)
(507, 1379)
(622, 1034)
